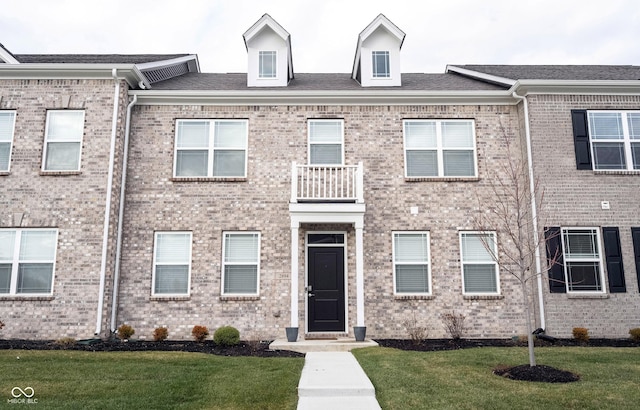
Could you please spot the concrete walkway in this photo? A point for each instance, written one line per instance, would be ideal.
(334, 380)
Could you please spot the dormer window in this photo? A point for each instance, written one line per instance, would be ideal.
(267, 64)
(380, 64)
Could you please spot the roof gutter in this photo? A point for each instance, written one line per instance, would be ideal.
(534, 208)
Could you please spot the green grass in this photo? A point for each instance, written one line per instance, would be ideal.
(153, 380)
(463, 379)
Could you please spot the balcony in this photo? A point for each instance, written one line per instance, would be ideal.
(327, 184)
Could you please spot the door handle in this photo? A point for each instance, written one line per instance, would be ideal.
(311, 294)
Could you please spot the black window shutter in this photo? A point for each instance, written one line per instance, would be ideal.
(613, 255)
(635, 234)
(554, 251)
(581, 139)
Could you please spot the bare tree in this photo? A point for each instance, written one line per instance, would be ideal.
(515, 216)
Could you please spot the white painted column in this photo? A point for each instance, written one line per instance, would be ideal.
(359, 275)
(294, 275)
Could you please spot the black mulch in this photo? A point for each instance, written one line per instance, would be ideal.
(539, 373)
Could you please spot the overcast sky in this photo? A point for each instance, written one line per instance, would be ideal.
(324, 32)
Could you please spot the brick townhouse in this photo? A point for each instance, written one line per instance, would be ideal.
(137, 189)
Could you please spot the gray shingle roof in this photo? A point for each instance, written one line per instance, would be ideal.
(559, 72)
(95, 58)
(323, 82)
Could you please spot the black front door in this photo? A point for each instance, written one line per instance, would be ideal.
(326, 289)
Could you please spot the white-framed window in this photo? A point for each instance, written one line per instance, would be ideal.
(615, 139)
(582, 260)
(240, 263)
(211, 148)
(411, 263)
(326, 142)
(380, 64)
(27, 261)
(7, 126)
(480, 273)
(171, 263)
(440, 148)
(267, 64)
(63, 140)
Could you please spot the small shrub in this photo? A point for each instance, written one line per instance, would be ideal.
(635, 334)
(160, 334)
(125, 332)
(65, 342)
(581, 334)
(454, 324)
(226, 336)
(416, 333)
(200, 333)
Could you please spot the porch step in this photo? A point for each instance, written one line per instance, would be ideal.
(335, 345)
(334, 380)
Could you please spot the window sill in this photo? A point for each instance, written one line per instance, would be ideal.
(615, 172)
(26, 298)
(414, 297)
(587, 296)
(239, 298)
(441, 179)
(208, 179)
(4, 173)
(158, 298)
(60, 173)
(482, 297)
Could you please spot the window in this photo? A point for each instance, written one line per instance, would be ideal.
(7, 122)
(439, 148)
(27, 260)
(326, 142)
(267, 64)
(479, 252)
(582, 259)
(411, 271)
(240, 263)
(615, 139)
(172, 263)
(380, 62)
(211, 148)
(63, 140)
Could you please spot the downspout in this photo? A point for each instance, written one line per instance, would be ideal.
(534, 208)
(107, 211)
(123, 182)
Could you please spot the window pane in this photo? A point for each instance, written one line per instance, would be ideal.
(605, 125)
(609, 155)
(5, 151)
(411, 247)
(35, 277)
(5, 277)
(583, 276)
(6, 126)
(65, 125)
(320, 238)
(230, 134)
(422, 163)
(458, 163)
(412, 279)
(380, 61)
(420, 134)
(474, 247)
(241, 248)
(173, 248)
(580, 244)
(62, 156)
(172, 279)
(325, 132)
(635, 152)
(192, 163)
(193, 134)
(7, 242)
(480, 278)
(267, 64)
(38, 246)
(228, 163)
(633, 120)
(457, 134)
(241, 279)
(326, 154)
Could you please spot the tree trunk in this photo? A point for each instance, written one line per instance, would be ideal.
(525, 296)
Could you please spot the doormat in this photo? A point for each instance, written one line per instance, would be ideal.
(320, 338)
